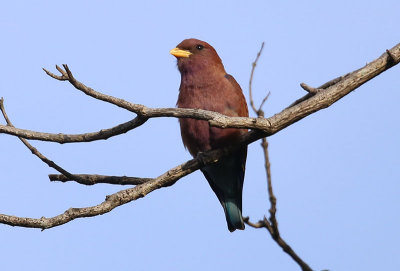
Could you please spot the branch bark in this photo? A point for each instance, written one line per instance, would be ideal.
(74, 138)
(91, 179)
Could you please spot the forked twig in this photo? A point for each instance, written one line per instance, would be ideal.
(271, 224)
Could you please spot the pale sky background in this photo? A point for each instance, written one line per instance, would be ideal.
(335, 173)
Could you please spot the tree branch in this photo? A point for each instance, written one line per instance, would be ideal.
(38, 154)
(91, 179)
(74, 138)
(272, 224)
(128, 195)
(253, 68)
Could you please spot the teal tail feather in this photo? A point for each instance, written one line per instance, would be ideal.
(233, 216)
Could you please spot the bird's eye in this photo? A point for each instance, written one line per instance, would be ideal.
(199, 47)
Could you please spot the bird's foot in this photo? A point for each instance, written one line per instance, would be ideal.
(205, 158)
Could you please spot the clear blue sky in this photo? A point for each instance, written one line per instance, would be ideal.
(335, 173)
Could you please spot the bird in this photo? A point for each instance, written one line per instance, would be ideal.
(206, 85)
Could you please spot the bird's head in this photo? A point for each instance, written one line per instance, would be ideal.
(196, 56)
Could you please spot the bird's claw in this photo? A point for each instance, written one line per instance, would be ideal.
(205, 158)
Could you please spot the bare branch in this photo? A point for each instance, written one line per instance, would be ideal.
(357, 77)
(253, 67)
(58, 77)
(259, 224)
(34, 151)
(111, 201)
(73, 138)
(128, 195)
(91, 179)
(272, 224)
(260, 113)
(309, 89)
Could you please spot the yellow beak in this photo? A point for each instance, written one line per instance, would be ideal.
(180, 53)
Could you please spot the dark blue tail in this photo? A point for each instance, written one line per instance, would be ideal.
(233, 216)
(226, 179)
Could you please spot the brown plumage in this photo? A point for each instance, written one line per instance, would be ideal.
(206, 85)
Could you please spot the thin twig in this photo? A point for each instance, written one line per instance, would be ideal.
(58, 77)
(260, 112)
(259, 224)
(253, 67)
(34, 151)
(274, 229)
(312, 91)
(271, 224)
(309, 89)
(74, 138)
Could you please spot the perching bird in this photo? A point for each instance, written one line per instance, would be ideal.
(206, 85)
